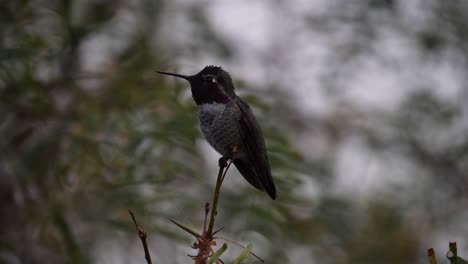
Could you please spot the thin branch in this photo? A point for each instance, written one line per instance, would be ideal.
(207, 211)
(225, 171)
(142, 234)
(205, 242)
(219, 182)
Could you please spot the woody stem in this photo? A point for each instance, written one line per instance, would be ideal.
(219, 181)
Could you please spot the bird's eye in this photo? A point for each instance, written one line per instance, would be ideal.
(210, 79)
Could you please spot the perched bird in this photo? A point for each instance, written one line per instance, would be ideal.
(229, 126)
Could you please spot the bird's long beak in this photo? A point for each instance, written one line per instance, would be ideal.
(175, 74)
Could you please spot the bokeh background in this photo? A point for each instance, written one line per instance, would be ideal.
(363, 104)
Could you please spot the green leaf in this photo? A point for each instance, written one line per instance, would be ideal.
(217, 254)
(244, 254)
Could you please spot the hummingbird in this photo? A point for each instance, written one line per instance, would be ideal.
(229, 125)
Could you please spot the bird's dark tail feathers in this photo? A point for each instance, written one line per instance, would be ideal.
(261, 180)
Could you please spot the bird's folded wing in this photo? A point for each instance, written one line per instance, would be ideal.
(252, 138)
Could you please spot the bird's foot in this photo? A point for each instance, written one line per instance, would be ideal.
(223, 162)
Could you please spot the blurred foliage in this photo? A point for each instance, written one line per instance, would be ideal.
(82, 142)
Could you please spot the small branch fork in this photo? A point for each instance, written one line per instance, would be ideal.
(206, 240)
(142, 235)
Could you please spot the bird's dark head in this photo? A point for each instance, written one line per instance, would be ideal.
(210, 85)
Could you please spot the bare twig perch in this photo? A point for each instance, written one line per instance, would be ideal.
(219, 181)
(206, 240)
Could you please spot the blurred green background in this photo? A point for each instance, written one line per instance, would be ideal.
(363, 104)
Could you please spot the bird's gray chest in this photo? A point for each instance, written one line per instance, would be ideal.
(218, 124)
